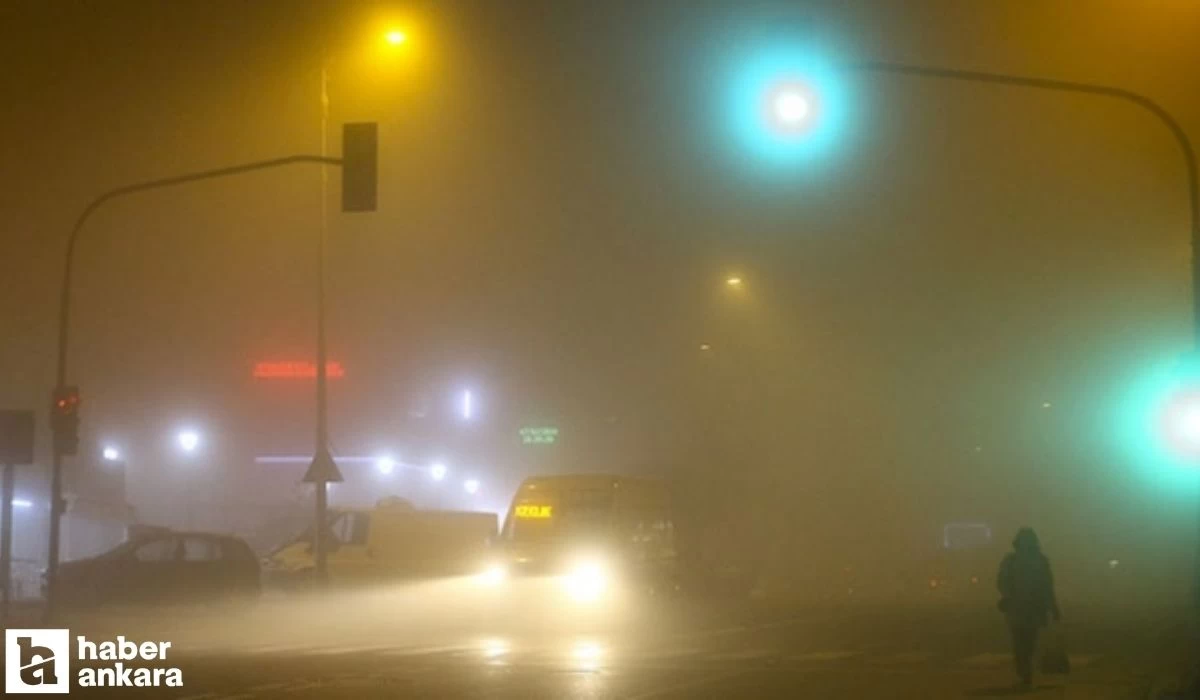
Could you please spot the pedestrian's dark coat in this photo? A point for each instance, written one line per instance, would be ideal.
(1026, 583)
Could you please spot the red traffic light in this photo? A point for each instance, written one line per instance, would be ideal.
(66, 399)
(64, 419)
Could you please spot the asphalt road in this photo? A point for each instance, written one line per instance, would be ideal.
(451, 641)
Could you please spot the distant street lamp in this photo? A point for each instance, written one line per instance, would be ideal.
(323, 470)
(438, 471)
(188, 440)
(385, 464)
(111, 454)
(734, 282)
(467, 405)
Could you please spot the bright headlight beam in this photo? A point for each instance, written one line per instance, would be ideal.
(493, 576)
(586, 581)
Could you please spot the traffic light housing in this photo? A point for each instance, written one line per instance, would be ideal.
(360, 166)
(64, 419)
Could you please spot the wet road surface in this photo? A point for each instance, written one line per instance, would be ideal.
(450, 641)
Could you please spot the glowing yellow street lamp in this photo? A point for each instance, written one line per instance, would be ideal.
(395, 37)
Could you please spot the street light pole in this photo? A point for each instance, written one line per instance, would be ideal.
(320, 486)
(1165, 117)
(64, 316)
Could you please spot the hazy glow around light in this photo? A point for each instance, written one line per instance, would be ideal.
(471, 485)
(395, 37)
(493, 648)
(111, 454)
(790, 107)
(1153, 425)
(438, 471)
(385, 464)
(587, 655)
(22, 503)
(467, 405)
(188, 440)
(782, 102)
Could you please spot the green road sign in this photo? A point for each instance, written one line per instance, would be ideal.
(544, 435)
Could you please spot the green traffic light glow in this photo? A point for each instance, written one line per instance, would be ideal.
(1158, 425)
(783, 104)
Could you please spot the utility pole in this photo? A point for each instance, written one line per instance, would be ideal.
(358, 194)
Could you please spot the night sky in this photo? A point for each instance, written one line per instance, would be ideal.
(937, 324)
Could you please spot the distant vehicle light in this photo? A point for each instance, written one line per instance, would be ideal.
(111, 454)
(587, 655)
(493, 576)
(495, 648)
(21, 503)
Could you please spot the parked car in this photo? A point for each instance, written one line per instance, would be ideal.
(162, 566)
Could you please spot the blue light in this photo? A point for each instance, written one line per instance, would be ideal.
(785, 105)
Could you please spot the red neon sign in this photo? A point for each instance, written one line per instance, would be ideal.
(296, 370)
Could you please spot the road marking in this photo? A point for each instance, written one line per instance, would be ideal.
(270, 649)
(741, 655)
(335, 651)
(824, 655)
(426, 651)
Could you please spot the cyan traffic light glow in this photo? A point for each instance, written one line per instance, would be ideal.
(784, 104)
(1158, 424)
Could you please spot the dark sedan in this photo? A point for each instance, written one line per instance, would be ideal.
(163, 567)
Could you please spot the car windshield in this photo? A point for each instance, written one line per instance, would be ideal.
(560, 514)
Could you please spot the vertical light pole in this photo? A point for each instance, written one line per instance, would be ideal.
(323, 468)
(322, 437)
(1191, 178)
(65, 399)
(795, 110)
